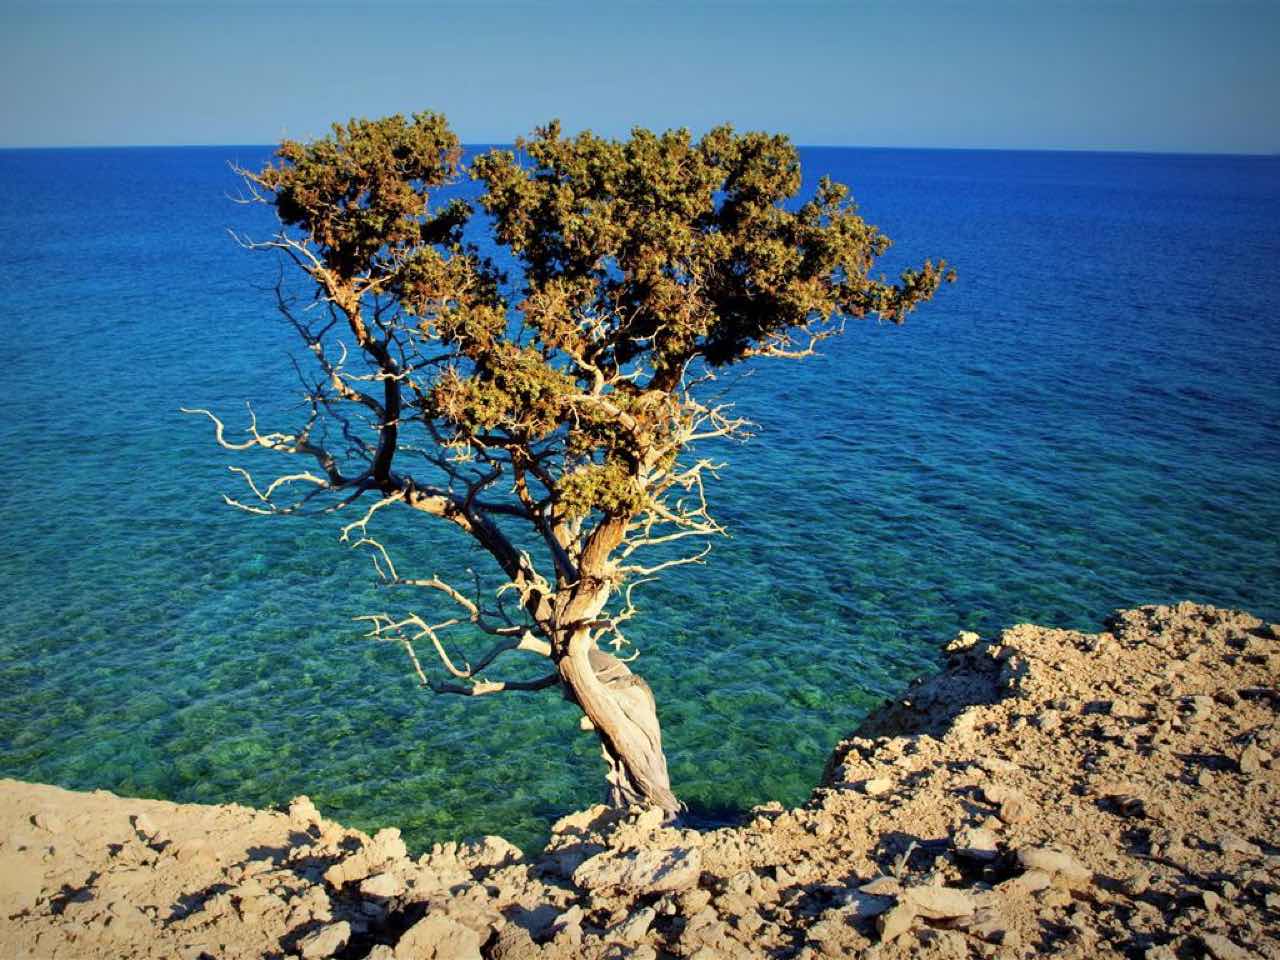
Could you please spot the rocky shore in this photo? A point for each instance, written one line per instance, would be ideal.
(1050, 793)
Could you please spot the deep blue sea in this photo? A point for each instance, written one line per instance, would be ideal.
(1089, 419)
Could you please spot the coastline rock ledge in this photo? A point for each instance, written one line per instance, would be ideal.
(1049, 793)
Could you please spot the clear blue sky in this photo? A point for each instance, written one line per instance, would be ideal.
(1139, 75)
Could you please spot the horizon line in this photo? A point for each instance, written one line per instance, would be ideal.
(1132, 151)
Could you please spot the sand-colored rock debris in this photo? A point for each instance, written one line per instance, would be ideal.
(1050, 793)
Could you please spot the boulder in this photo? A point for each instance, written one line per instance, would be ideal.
(436, 937)
(326, 941)
(491, 851)
(385, 885)
(641, 871)
(634, 928)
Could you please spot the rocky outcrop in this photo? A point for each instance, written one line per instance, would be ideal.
(1048, 793)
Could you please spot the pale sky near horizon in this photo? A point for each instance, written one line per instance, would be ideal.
(1161, 75)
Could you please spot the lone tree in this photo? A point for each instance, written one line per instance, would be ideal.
(555, 431)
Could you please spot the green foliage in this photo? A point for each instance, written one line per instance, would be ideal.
(608, 487)
(681, 249)
(643, 259)
(513, 389)
(363, 190)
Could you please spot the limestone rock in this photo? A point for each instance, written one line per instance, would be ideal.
(514, 943)
(988, 925)
(650, 819)
(1198, 705)
(326, 941)
(964, 641)
(436, 937)
(939, 903)
(865, 906)
(1011, 805)
(1032, 881)
(692, 902)
(303, 813)
(49, 822)
(1054, 862)
(634, 928)
(345, 871)
(1235, 844)
(882, 887)
(1048, 722)
(1220, 948)
(977, 843)
(585, 822)
(195, 849)
(382, 885)
(491, 851)
(564, 861)
(387, 845)
(877, 787)
(1054, 897)
(1251, 759)
(894, 923)
(732, 903)
(142, 823)
(641, 871)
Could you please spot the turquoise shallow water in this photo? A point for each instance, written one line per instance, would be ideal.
(1089, 419)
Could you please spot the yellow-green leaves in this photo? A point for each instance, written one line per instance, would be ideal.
(641, 259)
(364, 187)
(609, 487)
(660, 249)
(512, 388)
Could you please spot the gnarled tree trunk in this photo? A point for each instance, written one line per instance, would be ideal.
(621, 708)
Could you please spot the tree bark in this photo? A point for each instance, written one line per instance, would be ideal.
(622, 709)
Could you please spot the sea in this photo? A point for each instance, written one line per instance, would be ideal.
(1089, 419)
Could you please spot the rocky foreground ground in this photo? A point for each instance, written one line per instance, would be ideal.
(1050, 793)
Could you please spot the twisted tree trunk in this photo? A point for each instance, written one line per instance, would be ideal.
(618, 704)
(621, 708)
